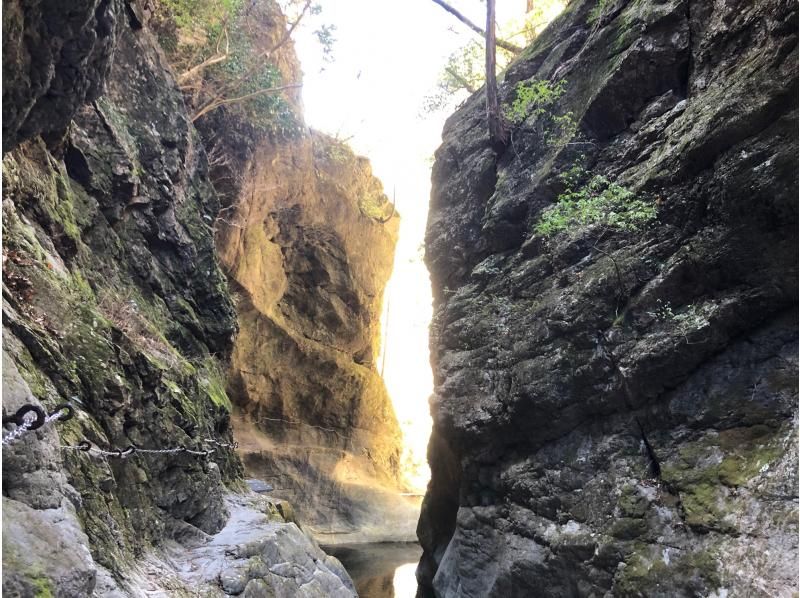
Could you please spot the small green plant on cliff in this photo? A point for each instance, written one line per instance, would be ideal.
(335, 151)
(534, 97)
(538, 98)
(691, 318)
(464, 71)
(211, 378)
(599, 201)
(376, 207)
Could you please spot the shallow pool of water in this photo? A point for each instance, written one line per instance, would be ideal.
(384, 570)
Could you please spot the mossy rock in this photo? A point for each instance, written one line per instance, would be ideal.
(628, 528)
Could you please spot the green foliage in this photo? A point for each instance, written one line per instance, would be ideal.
(538, 98)
(193, 22)
(43, 588)
(464, 72)
(336, 151)
(326, 40)
(223, 55)
(599, 201)
(266, 111)
(686, 320)
(535, 97)
(663, 311)
(212, 380)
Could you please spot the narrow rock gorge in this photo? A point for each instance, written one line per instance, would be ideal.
(615, 329)
(193, 282)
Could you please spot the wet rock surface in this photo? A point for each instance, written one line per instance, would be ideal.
(615, 410)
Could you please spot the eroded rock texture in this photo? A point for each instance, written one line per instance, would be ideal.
(55, 57)
(113, 300)
(615, 410)
(307, 237)
(310, 256)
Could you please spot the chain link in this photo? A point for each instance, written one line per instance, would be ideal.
(20, 431)
(230, 445)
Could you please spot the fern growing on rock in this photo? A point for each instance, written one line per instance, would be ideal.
(538, 100)
(600, 201)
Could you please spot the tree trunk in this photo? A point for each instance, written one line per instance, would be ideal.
(497, 132)
(502, 43)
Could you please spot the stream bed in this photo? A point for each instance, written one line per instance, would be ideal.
(384, 570)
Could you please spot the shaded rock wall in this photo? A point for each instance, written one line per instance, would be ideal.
(616, 410)
(53, 61)
(113, 299)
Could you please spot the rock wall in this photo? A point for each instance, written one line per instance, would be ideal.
(53, 65)
(114, 301)
(306, 236)
(615, 406)
(310, 244)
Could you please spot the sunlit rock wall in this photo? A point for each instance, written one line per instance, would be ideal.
(307, 236)
(309, 245)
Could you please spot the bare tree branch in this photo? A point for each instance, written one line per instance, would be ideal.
(502, 43)
(219, 56)
(461, 80)
(216, 103)
(197, 69)
(257, 59)
(220, 97)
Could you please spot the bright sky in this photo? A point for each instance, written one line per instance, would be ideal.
(387, 58)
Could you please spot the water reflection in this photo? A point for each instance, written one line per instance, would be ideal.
(383, 570)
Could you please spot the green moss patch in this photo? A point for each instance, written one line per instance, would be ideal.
(706, 467)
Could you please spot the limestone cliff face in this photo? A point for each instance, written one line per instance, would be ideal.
(310, 253)
(615, 407)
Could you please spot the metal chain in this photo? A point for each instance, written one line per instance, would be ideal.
(95, 451)
(21, 430)
(231, 445)
(33, 417)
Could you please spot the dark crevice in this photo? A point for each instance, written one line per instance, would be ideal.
(654, 467)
